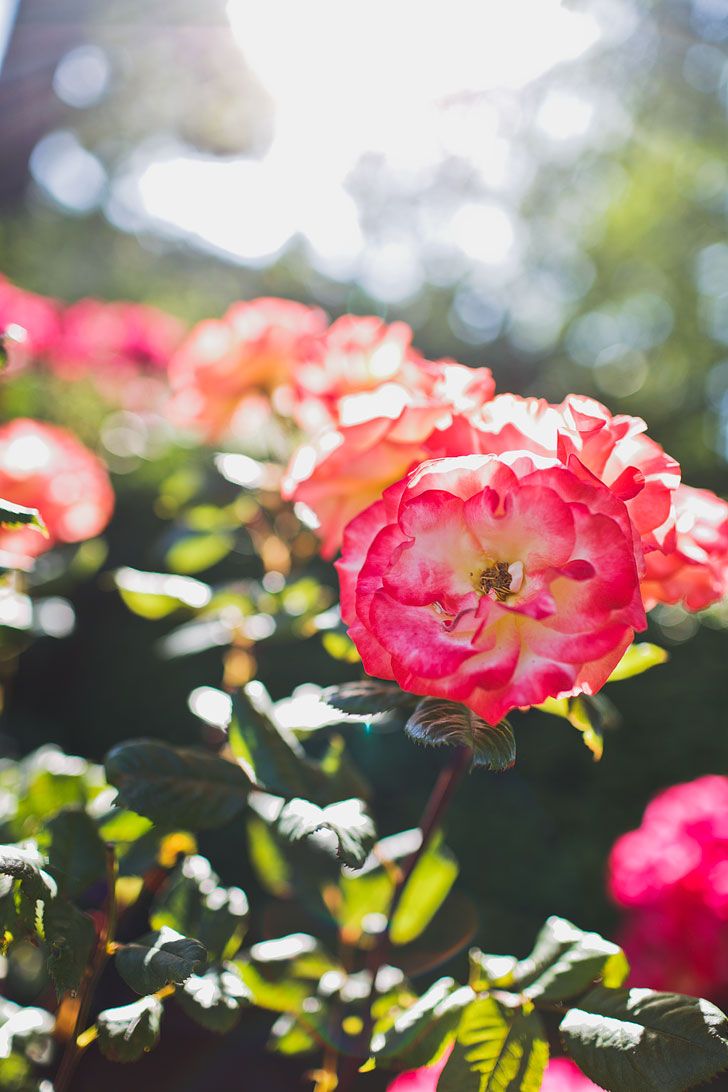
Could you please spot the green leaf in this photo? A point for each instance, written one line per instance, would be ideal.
(420, 1034)
(23, 862)
(487, 970)
(344, 830)
(340, 647)
(215, 998)
(194, 904)
(643, 1041)
(496, 1050)
(451, 929)
(155, 595)
(70, 936)
(50, 780)
(270, 864)
(158, 960)
(565, 961)
(76, 854)
(177, 786)
(436, 721)
(193, 553)
(591, 714)
(296, 955)
(130, 1031)
(15, 515)
(426, 890)
(288, 1037)
(285, 996)
(367, 696)
(638, 658)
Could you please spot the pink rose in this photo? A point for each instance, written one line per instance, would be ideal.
(380, 435)
(115, 340)
(497, 581)
(46, 467)
(561, 1075)
(32, 323)
(695, 573)
(256, 346)
(615, 449)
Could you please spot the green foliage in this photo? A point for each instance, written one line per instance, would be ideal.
(177, 786)
(436, 721)
(194, 553)
(367, 696)
(156, 595)
(215, 998)
(70, 936)
(15, 515)
(344, 829)
(643, 1041)
(419, 1035)
(128, 1032)
(159, 959)
(194, 904)
(639, 657)
(497, 1049)
(76, 854)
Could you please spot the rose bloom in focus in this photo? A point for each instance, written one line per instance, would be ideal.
(256, 346)
(45, 467)
(493, 581)
(561, 1075)
(671, 876)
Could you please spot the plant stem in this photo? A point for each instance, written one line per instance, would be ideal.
(432, 816)
(90, 980)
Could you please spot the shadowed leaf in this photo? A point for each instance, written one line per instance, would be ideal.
(158, 960)
(130, 1031)
(70, 936)
(436, 721)
(367, 696)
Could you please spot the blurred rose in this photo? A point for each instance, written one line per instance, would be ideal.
(31, 323)
(695, 574)
(380, 435)
(672, 876)
(494, 581)
(256, 346)
(46, 467)
(561, 1075)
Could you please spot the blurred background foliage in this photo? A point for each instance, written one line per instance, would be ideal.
(545, 193)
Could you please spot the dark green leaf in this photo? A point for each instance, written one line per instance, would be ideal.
(15, 515)
(194, 903)
(177, 786)
(70, 936)
(367, 696)
(496, 1050)
(159, 959)
(643, 1041)
(419, 1035)
(76, 854)
(436, 721)
(565, 961)
(23, 863)
(130, 1031)
(215, 998)
(344, 830)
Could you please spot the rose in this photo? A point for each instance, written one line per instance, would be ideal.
(380, 435)
(255, 347)
(114, 339)
(615, 449)
(695, 573)
(497, 581)
(46, 467)
(561, 1075)
(31, 322)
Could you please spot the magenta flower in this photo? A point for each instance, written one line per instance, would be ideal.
(493, 581)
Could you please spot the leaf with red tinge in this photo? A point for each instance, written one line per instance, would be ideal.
(437, 721)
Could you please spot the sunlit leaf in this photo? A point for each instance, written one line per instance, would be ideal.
(288, 1037)
(565, 961)
(194, 553)
(643, 1041)
(130, 1031)
(159, 959)
(639, 657)
(155, 595)
(344, 829)
(436, 721)
(496, 1050)
(15, 515)
(420, 1034)
(177, 786)
(23, 862)
(340, 647)
(194, 904)
(70, 936)
(367, 696)
(285, 996)
(591, 714)
(214, 999)
(426, 890)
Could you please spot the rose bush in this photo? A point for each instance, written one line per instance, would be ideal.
(45, 467)
(497, 581)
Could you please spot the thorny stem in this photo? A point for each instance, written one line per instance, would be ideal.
(90, 980)
(432, 817)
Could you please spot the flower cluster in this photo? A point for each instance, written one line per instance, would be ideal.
(43, 466)
(671, 875)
